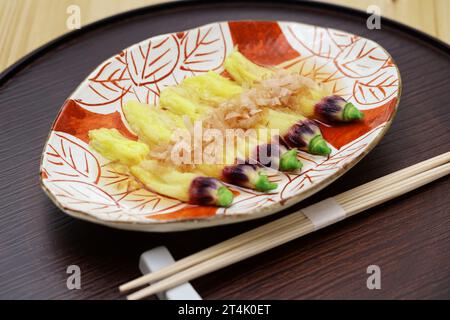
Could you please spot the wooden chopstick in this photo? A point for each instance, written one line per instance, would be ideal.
(208, 253)
(304, 226)
(397, 175)
(297, 218)
(277, 224)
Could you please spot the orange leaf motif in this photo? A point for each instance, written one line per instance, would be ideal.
(202, 49)
(80, 195)
(378, 89)
(69, 159)
(152, 60)
(362, 59)
(107, 84)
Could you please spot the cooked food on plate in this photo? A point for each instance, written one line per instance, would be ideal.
(276, 113)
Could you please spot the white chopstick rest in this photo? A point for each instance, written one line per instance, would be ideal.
(158, 258)
(324, 213)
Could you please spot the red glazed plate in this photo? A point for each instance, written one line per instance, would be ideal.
(84, 185)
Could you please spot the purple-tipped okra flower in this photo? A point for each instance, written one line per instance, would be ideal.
(278, 157)
(296, 131)
(308, 98)
(336, 109)
(305, 135)
(208, 191)
(248, 176)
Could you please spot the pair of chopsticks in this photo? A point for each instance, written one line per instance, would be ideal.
(287, 228)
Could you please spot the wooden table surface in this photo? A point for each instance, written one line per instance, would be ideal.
(408, 238)
(27, 24)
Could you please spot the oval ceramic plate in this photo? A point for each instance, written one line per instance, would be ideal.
(84, 185)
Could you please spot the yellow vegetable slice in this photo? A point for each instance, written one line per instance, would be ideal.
(244, 71)
(151, 124)
(178, 101)
(211, 87)
(111, 144)
(163, 180)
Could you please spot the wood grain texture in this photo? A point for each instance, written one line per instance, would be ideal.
(27, 24)
(409, 237)
(429, 16)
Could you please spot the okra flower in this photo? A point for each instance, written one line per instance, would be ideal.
(248, 176)
(308, 98)
(185, 186)
(162, 178)
(277, 156)
(296, 131)
(316, 104)
(209, 191)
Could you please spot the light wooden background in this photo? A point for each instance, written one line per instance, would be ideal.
(27, 24)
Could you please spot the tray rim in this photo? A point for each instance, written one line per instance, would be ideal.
(195, 223)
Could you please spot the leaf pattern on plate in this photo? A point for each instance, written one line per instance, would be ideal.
(342, 39)
(126, 190)
(362, 59)
(203, 49)
(377, 89)
(152, 60)
(250, 200)
(118, 176)
(148, 93)
(143, 202)
(69, 158)
(105, 87)
(311, 39)
(83, 196)
(321, 70)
